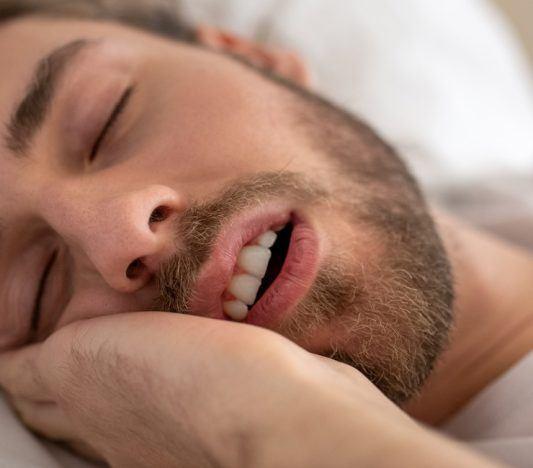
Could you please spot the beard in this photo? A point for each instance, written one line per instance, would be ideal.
(387, 314)
(388, 317)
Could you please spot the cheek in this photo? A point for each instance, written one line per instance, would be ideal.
(207, 131)
(98, 300)
(197, 154)
(16, 182)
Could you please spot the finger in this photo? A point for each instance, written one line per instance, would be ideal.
(50, 421)
(85, 450)
(46, 419)
(20, 375)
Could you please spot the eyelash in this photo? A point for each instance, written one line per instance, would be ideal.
(36, 316)
(117, 111)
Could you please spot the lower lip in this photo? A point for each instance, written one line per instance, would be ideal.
(293, 282)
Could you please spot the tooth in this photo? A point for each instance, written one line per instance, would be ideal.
(267, 239)
(254, 260)
(237, 310)
(244, 287)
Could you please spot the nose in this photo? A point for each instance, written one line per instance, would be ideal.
(126, 236)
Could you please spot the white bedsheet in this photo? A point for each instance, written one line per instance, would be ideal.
(445, 82)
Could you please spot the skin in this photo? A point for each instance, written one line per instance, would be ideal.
(94, 215)
(493, 320)
(93, 223)
(138, 409)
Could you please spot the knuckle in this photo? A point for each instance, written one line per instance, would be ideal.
(259, 346)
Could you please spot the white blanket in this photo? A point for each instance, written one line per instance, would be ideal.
(445, 81)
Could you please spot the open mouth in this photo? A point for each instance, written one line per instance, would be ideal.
(258, 266)
(263, 264)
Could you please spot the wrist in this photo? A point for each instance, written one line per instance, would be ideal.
(327, 432)
(301, 425)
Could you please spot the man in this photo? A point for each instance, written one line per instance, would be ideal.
(205, 264)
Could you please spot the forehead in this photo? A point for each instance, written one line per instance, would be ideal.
(215, 89)
(25, 41)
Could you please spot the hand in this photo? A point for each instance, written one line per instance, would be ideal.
(156, 389)
(114, 386)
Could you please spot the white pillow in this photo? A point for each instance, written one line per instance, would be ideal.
(444, 81)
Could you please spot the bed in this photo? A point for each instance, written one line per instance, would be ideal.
(446, 82)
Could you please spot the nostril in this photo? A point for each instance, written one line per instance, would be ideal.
(159, 215)
(135, 269)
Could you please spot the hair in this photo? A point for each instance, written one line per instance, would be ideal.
(156, 16)
(386, 197)
(162, 17)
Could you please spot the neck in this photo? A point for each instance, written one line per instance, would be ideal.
(493, 326)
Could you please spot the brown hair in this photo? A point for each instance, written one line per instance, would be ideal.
(157, 16)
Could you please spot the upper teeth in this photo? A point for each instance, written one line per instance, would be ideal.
(254, 260)
(267, 239)
(244, 286)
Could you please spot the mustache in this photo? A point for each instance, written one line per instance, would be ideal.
(199, 227)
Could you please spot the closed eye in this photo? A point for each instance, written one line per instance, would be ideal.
(36, 316)
(117, 111)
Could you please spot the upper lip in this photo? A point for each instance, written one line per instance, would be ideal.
(206, 299)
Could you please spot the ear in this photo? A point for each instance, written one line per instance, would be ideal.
(284, 63)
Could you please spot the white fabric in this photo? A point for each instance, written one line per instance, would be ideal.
(21, 449)
(499, 421)
(18, 448)
(444, 81)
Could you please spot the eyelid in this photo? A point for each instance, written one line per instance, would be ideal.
(35, 319)
(115, 114)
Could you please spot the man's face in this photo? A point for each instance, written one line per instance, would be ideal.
(144, 174)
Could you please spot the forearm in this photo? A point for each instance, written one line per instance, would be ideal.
(320, 421)
(168, 390)
(423, 448)
(337, 436)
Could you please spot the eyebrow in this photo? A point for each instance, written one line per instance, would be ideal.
(30, 114)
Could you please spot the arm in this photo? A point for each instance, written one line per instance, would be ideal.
(158, 389)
